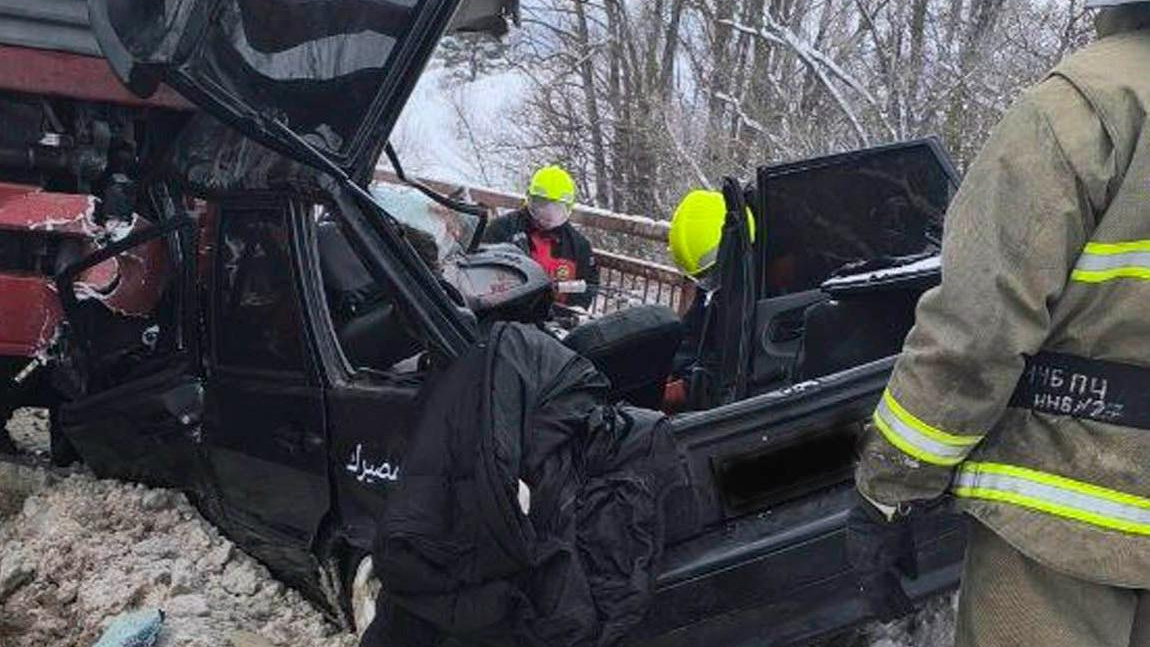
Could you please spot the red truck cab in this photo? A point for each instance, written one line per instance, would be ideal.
(65, 180)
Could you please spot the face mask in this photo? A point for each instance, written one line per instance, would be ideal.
(548, 214)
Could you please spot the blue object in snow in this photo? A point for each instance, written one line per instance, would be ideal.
(135, 629)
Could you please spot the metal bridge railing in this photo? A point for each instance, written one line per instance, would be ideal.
(625, 281)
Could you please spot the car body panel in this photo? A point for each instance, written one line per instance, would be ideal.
(772, 569)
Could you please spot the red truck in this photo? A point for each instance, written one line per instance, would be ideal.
(196, 281)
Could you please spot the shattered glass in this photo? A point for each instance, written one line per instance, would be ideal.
(451, 231)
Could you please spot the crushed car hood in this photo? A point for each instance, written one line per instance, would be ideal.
(333, 74)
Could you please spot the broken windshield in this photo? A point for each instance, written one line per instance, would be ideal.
(450, 230)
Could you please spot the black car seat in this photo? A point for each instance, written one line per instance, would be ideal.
(849, 332)
(868, 315)
(367, 321)
(634, 348)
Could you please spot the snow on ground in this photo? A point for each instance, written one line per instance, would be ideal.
(79, 550)
(932, 626)
(28, 429)
(76, 550)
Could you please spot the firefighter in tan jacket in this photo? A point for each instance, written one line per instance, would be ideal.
(1023, 390)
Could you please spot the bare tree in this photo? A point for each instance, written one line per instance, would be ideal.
(643, 100)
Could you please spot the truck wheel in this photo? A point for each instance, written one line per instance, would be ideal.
(362, 593)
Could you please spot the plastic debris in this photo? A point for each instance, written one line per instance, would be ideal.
(134, 629)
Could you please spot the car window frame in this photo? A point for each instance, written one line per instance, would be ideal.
(304, 373)
(332, 356)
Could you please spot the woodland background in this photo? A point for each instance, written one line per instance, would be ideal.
(644, 99)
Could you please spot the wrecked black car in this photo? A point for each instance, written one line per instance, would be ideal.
(234, 315)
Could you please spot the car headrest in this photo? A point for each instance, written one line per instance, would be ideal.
(634, 348)
(348, 282)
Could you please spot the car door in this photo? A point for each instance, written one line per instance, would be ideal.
(132, 356)
(264, 421)
(376, 368)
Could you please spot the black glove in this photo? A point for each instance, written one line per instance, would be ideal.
(878, 549)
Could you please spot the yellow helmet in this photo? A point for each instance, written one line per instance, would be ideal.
(553, 183)
(697, 228)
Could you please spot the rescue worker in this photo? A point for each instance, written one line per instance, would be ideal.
(1022, 390)
(542, 228)
(693, 241)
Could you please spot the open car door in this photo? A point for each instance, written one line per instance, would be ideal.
(133, 360)
(720, 376)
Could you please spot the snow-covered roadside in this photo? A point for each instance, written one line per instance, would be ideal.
(932, 626)
(75, 551)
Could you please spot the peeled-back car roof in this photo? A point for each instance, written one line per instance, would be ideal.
(58, 25)
(62, 25)
(319, 82)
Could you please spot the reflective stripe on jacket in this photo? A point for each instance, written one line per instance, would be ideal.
(916, 438)
(1109, 261)
(1054, 495)
(1046, 248)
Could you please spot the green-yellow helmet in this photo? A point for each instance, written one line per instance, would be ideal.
(697, 228)
(553, 183)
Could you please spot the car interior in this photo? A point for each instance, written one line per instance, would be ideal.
(368, 321)
(802, 327)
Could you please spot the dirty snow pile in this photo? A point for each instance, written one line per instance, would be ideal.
(77, 551)
(932, 626)
(29, 430)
